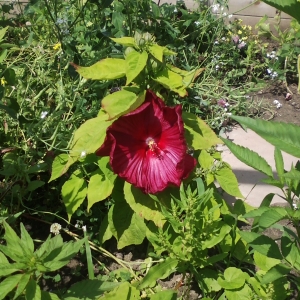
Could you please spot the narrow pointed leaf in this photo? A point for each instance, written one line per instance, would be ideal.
(285, 136)
(22, 284)
(26, 240)
(279, 163)
(8, 284)
(106, 69)
(249, 157)
(33, 291)
(9, 268)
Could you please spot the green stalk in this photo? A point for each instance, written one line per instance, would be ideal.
(88, 256)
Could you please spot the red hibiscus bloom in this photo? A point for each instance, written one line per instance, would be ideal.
(147, 146)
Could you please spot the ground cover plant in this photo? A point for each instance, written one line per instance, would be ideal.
(110, 118)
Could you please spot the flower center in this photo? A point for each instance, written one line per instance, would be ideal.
(153, 147)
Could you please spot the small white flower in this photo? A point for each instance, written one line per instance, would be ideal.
(84, 228)
(275, 102)
(230, 16)
(295, 206)
(197, 23)
(223, 38)
(217, 67)
(278, 105)
(228, 114)
(83, 154)
(215, 7)
(55, 228)
(216, 43)
(225, 14)
(44, 114)
(269, 71)
(175, 10)
(28, 23)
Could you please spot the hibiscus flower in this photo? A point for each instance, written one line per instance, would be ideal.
(147, 146)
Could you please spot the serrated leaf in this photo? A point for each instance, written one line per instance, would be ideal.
(275, 273)
(106, 69)
(143, 205)
(135, 63)
(262, 244)
(8, 284)
(197, 133)
(121, 102)
(205, 160)
(125, 41)
(293, 174)
(272, 216)
(159, 271)
(249, 157)
(228, 181)
(89, 289)
(284, 136)
(157, 51)
(27, 241)
(74, 192)
(9, 268)
(3, 259)
(58, 166)
(263, 262)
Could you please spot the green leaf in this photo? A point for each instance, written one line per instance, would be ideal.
(99, 188)
(8, 284)
(33, 291)
(233, 279)
(262, 244)
(74, 192)
(279, 163)
(34, 184)
(293, 174)
(289, 249)
(284, 136)
(3, 55)
(249, 157)
(89, 289)
(49, 296)
(22, 284)
(126, 41)
(197, 133)
(217, 237)
(123, 291)
(59, 257)
(206, 161)
(272, 216)
(143, 205)
(58, 166)
(135, 63)
(164, 295)
(104, 232)
(3, 32)
(121, 103)
(157, 51)
(228, 181)
(86, 135)
(9, 268)
(3, 259)
(27, 241)
(106, 69)
(276, 272)
(160, 271)
(127, 227)
(290, 7)
(171, 81)
(244, 293)
(263, 262)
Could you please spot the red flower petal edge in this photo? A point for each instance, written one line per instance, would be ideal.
(147, 146)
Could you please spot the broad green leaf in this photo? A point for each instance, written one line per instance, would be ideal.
(104, 232)
(284, 136)
(27, 241)
(85, 136)
(217, 237)
(233, 279)
(143, 205)
(34, 184)
(74, 192)
(33, 291)
(3, 259)
(171, 81)
(121, 103)
(208, 279)
(135, 63)
(197, 133)
(48, 246)
(58, 166)
(123, 291)
(157, 51)
(8, 284)
(127, 226)
(106, 69)
(228, 181)
(160, 271)
(3, 32)
(249, 157)
(272, 216)
(49, 296)
(293, 174)
(126, 41)
(206, 161)
(89, 289)
(3, 54)
(164, 295)
(22, 284)
(289, 249)
(244, 293)
(9, 268)
(169, 52)
(279, 164)
(263, 262)
(290, 7)
(262, 244)
(59, 257)
(99, 188)
(276, 272)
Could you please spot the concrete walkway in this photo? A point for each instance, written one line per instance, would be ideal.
(249, 179)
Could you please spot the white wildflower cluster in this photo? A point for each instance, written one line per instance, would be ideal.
(272, 73)
(277, 103)
(296, 203)
(272, 55)
(55, 228)
(44, 114)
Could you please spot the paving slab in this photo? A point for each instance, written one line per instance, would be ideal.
(250, 184)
